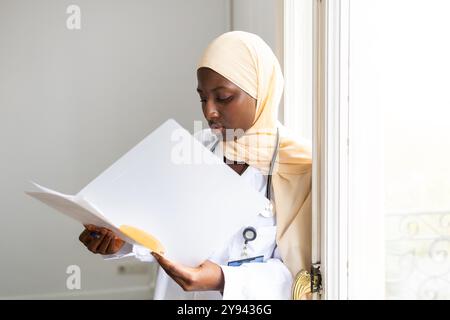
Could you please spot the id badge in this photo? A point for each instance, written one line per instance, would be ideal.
(237, 263)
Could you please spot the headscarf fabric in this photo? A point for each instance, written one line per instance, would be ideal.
(246, 60)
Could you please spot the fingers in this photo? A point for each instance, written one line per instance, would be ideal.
(207, 276)
(115, 244)
(182, 275)
(167, 265)
(103, 247)
(84, 236)
(96, 241)
(91, 227)
(100, 240)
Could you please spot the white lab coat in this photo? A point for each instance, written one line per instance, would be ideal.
(268, 280)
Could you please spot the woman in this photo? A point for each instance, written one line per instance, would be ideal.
(240, 85)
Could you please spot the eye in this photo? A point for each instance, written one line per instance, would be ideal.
(225, 99)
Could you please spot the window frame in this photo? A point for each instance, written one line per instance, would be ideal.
(348, 238)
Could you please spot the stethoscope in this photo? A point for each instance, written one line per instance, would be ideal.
(249, 234)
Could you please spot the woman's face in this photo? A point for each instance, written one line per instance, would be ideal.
(224, 104)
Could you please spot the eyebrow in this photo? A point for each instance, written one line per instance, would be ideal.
(215, 89)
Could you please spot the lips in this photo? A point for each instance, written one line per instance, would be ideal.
(218, 129)
(216, 126)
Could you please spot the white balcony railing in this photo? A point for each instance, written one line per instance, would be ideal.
(417, 255)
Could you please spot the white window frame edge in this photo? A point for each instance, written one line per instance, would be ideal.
(348, 175)
(331, 145)
(317, 24)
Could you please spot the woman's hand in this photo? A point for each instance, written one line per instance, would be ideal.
(100, 240)
(207, 276)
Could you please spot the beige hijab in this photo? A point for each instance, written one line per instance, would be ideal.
(247, 61)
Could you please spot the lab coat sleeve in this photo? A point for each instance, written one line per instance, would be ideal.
(270, 280)
(129, 250)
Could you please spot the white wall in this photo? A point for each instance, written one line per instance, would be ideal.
(264, 18)
(71, 102)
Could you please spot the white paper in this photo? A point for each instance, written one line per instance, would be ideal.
(191, 208)
(77, 209)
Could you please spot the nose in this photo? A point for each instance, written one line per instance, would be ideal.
(211, 111)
